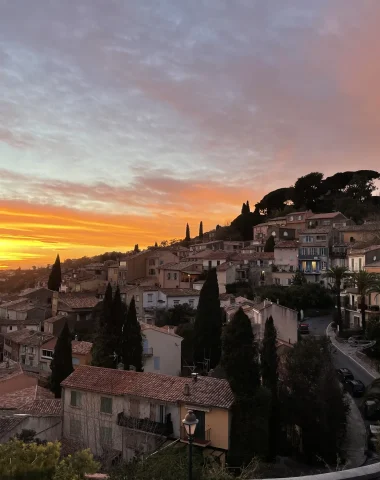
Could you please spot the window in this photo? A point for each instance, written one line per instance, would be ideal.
(289, 281)
(326, 222)
(313, 251)
(176, 302)
(303, 251)
(218, 262)
(360, 263)
(134, 408)
(352, 265)
(76, 361)
(150, 297)
(75, 427)
(291, 218)
(162, 413)
(175, 275)
(75, 398)
(106, 405)
(191, 302)
(10, 328)
(321, 238)
(137, 298)
(152, 271)
(309, 239)
(277, 281)
(152, 261)
(156, 361)
(324, 265)
(31, 349)
(106, 436)
(47, 353)
(168, 276)
(299, 217)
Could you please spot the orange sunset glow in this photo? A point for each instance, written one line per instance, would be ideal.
(121, 122)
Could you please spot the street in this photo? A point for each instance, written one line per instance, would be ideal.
(317, 326)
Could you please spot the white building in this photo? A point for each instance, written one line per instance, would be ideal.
(162, 350)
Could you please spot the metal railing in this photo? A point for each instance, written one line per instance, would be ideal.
(202, 439)
(148, 352)
(145, 425)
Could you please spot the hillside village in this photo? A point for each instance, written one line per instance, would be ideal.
(124, 412)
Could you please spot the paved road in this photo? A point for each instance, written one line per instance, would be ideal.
(317, 326)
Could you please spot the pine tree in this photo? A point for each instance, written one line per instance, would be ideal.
(187, 237)
(62, 362)
(244, 209)
(136, 249)
(208, 322)
(55, 277)
(155, 245)
(118, 315)
(240, 356)
(132, 347)
(201, 230)
(269, 372)
(269, 244)
(103, 347)
(248, 207)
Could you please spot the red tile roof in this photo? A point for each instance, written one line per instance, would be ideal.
(311, 231)
(318, 216)
(18, 398)
(43, 407)
(206, 391)
(81, 348)
(146, 326)
(78, 301)
(28, 337)
(180, 292)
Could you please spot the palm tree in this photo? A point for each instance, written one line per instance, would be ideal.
(364, 282)
(337, 274)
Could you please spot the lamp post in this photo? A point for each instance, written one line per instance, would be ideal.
(190, 423)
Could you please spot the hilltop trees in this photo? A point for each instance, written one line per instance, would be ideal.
(62, 362)
(187, 237)
(131, 340)
(55, 277)
(208, 323)
(201, 230)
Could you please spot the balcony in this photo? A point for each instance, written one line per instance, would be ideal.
(145, 425)
(311, 272)
(148, 352)
(309, 256)
(201, 440)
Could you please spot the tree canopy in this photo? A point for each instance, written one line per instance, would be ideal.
(62, 361)
(55, 277)
(132, 347)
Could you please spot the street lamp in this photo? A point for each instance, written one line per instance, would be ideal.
(190, 423)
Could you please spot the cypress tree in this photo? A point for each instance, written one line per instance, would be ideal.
(187, 237)
(118, 314)
(201, 230)
(248, 207)
(269, 244)
(269, 372)
(208, 322)
(132, 347)
(55, 277)
(155, 244)
(103, 347)
(62, 363)
(240, 357)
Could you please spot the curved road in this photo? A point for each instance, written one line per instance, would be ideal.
(317, 326)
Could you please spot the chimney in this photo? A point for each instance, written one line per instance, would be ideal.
(132, 368)
(54, 304)
(76, 338)
(186, 389)
(194, 376)
(120, 366)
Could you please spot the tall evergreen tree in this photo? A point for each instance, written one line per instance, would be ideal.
(201, 230)
(244, 209)
(240, 356)
(269, 244)
(187, 237)
(269, 372)
(55, 277)
(118, 315)
(248, 207)
(155, 244)
(62, 363)
(103, 347)
(132, 347)
(208, 322)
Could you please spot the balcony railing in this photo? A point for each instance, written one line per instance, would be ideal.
(145, 425)
(148, 352)
(202, 440)
(311, 272)
(309, 256)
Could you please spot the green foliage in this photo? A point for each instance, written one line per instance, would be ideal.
(118, 314)
(298, 297)
(299, 279)
(240, 356)
(187, 237)
(186, 331)
(55, 277)
(105, 344)
(244, 223)
(20, 460)
(201, 230)
(181, 313)
(62, 361)
(208, 322)
(269, 244)
(337, 274)
(313, 400)
(132, 347)
(249, 434)
(74, 467)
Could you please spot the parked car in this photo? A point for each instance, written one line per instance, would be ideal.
(344, 374)
(303, 328)
(355, 387)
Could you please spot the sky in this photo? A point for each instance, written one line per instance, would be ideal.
(120, 121)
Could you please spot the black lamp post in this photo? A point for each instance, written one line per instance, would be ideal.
(190, 423)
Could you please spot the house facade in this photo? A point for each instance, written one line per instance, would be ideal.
(313, 257)
(226, 274)
(285, 262)
(179, 275)
(161, 350)
(361, 258)
(159, 256)
(126, 413)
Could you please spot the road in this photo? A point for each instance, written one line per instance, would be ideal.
(317, 326)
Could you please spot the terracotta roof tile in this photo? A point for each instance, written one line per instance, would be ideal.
(28, 337)
(81, 348)
(146, 326)
(311, 231)
(206, 391)
(318, 216)
(180, 292)
(42, 407)
(366, 227)
(17, 399)
(79, 301)
(287, 244)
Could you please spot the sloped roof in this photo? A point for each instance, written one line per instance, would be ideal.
(146, 326)
(17, 399)
(287, 244)
(329, 215)
(28, 337)
(78, 301)
(206, 391)
(80, 347)
(43, 407)
(180, 292)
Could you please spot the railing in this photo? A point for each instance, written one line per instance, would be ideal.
(311, 272)
(202, 440)
(309, 256)
(148, 352)
(145, 425)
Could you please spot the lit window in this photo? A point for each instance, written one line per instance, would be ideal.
(76, 361)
